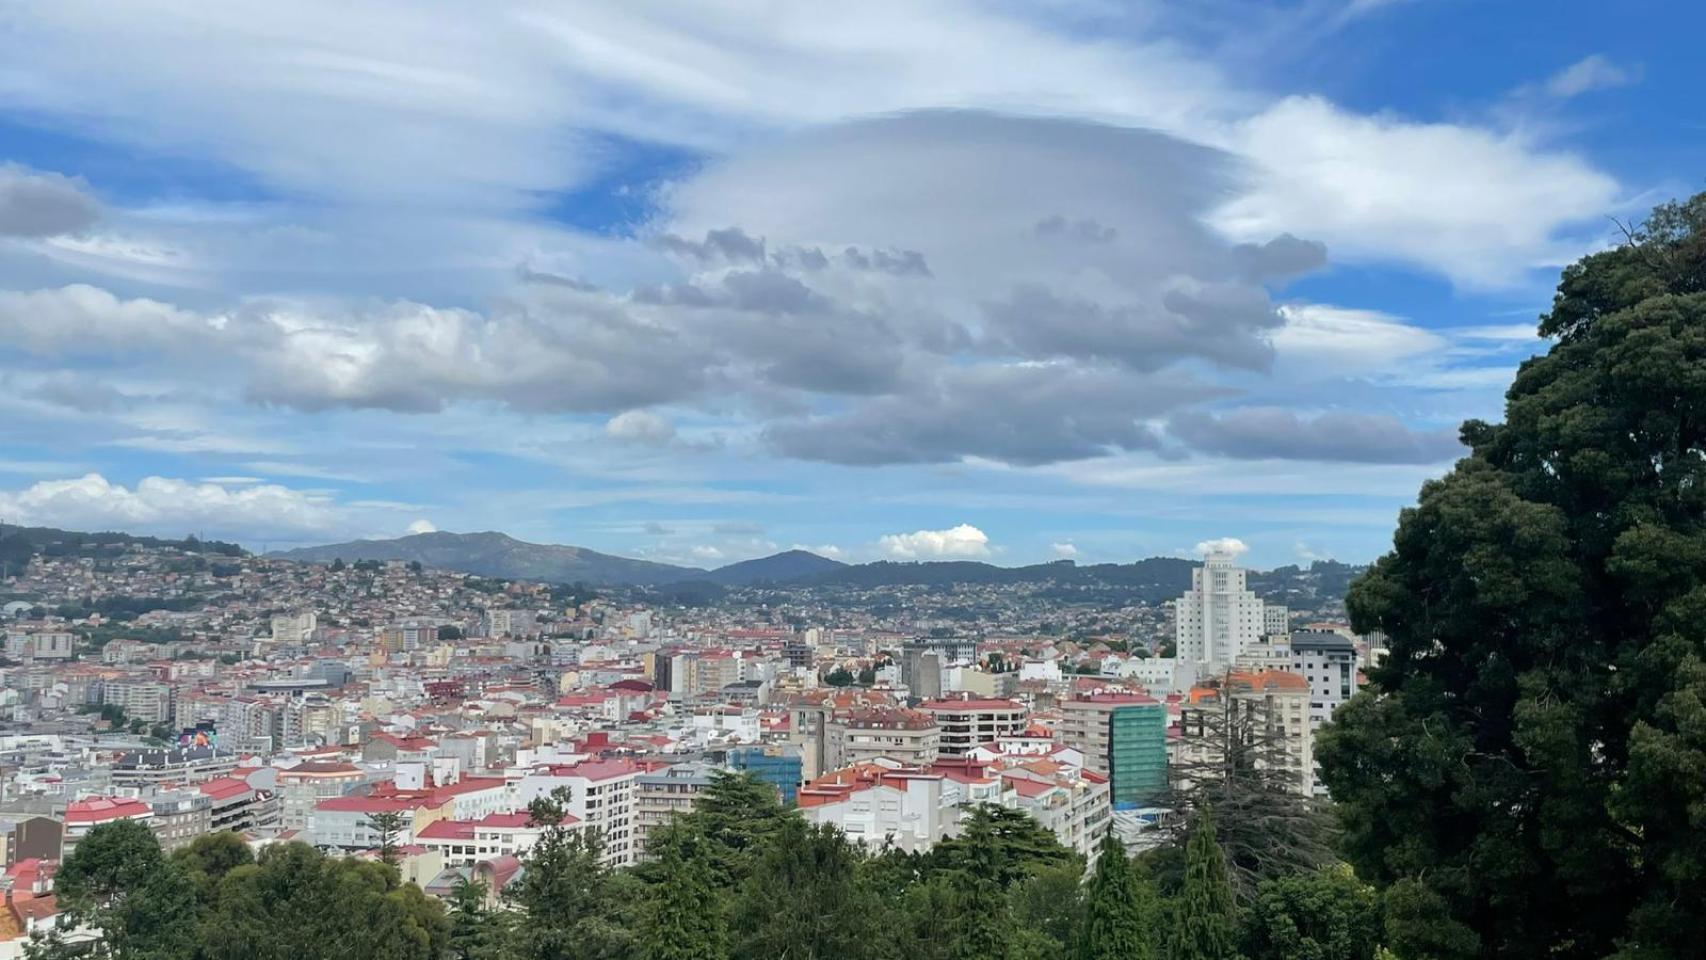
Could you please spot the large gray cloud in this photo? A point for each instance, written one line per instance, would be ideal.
(1273, 433)
(921, 288)
(1022, 413)
(34, 204)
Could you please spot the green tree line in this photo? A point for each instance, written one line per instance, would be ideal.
(739, 878)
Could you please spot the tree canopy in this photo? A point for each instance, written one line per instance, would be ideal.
(1525, 766)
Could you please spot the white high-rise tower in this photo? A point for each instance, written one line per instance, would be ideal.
(1218, 618)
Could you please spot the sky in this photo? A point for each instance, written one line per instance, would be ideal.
(901, 279)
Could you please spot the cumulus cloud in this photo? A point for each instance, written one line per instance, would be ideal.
(1273, 433)
(35, 204)
(1065, 551)
(171, 506)
(422, 525)
(961, 542)
(1227, 545)
(829, 550)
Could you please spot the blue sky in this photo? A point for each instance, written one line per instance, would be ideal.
(1010, 281)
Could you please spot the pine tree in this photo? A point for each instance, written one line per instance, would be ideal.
(1205, 917)
(1119, 909)
(388, 825)
(685, 917)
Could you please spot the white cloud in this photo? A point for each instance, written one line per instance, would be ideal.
(1065, 551)
(640, 426)
(1478, 205)
(705, 551)
(958, 542)
(1592, 72)
(829, 550)
(1324, 341)
(1229, 545)
(172, 506)
(422, 525)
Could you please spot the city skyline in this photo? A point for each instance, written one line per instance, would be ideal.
(696, 289)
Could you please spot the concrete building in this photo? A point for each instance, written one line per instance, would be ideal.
(295, 628)
(1272, 705)
(601, 796)
(1328, 661)
(662, 795)
(967, 722)
(148, 700)
(860, 735)
(142, 768)
(81, 816)
(877, 805)
(306, 784)
(464, 843)
(1123, 736)
(1218, 617)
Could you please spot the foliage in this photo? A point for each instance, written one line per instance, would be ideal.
(1325, 915)
(1205, 917)
(1120, 910)
(801, 901)
(1525, 764)
(567, 905)
(1009, 844)
(736, 814)
(683, 917)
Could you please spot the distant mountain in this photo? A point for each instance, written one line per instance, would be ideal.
(786, 567)
(494, 554)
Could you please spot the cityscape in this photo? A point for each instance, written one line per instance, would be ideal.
(902, 480)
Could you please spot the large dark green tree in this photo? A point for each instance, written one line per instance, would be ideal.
(1205, 917)
(1121, 915)
(801, 900)
(119, 883)
(1529, 756)
(1325, 915)
(567, 901)
(684, 917)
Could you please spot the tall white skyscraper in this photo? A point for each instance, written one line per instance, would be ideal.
(1218, 618)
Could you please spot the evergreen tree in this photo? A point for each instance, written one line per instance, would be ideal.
(801, 900)
(1236, 762)
(735, 814)
(565, 896)
(1528, 754)
(1205, 916)
(1120, 914)
(389, 826)
(476, 932)
(1325, 915)
(1009, 843)
(684, 916)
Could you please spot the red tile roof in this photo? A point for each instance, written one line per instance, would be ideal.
(103, 809)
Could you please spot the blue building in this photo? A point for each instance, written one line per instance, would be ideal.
(774, 764)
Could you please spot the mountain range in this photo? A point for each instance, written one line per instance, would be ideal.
(493, 554)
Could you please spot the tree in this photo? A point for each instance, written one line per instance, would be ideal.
(736, 814)
(1325, 915)
(118, 882)
(208, 858)
(476, 933)
(1120, 911)
(1205, 916)
(564, 895)
(801, 900)
(1528, 753)
(295, 902)
(839, 677)
(388, 825)
(1010, 844)
(1233, 758)
(684, 917)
